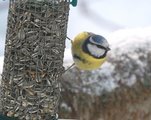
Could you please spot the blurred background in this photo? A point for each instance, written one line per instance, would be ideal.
(106, 16)
(111, 91)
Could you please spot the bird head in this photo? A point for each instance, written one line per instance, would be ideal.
(96, 46)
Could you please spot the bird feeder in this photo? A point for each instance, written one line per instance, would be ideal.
(33, 60)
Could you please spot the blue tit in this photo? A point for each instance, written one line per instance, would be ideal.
(89, 50)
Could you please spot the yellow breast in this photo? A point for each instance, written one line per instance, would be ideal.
(85, 61)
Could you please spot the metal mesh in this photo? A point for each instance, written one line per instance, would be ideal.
(33, 60)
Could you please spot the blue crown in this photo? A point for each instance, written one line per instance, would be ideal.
(98, 39)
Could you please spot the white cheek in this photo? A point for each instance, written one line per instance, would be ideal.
(94, 50)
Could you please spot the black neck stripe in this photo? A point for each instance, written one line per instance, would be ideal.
(79, 58)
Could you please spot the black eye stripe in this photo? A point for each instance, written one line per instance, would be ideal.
(99, 46)
(79, 58)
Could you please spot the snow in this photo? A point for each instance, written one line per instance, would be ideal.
(129, 37)
(65, 106)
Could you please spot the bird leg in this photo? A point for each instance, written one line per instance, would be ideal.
(70, 67)
(70, 39)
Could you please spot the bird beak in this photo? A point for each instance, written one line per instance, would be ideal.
(108, 49)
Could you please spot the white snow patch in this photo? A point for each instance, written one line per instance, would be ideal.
(129, 37)
(65, 106)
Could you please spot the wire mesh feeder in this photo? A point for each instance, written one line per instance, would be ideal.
(33, 60)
